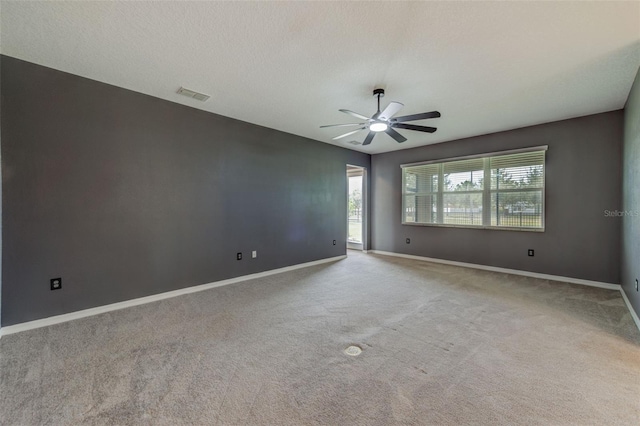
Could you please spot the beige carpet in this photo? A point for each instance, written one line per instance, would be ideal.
(441, 345)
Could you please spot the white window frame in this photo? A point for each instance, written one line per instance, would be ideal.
(487, 191)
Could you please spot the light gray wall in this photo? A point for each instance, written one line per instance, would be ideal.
(583, 179)
(631, 196)
(124, 195)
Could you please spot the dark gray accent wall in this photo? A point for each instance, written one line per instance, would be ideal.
(0, 193)
(583, 176)
(124, 195)
(631, 196)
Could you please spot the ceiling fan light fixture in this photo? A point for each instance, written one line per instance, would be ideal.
(378, 126)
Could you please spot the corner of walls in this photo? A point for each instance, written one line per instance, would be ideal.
(630, 252)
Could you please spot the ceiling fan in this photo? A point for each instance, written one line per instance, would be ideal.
(384, 121)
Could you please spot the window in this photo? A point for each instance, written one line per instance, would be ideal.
(502, 190)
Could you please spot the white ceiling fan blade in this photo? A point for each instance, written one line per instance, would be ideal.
(355, 114)
(391, 110)
(342, 125)
(347, 134)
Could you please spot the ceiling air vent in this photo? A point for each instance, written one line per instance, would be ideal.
(191, 94)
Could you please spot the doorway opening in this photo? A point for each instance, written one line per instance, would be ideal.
(356, 207)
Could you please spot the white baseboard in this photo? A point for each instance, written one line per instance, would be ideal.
(148, 299)
(571, 280)
(633, 313)
(30, 325)
(503, 270)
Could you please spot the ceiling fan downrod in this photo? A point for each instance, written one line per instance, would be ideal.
(380, 94)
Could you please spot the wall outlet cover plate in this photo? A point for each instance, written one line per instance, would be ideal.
(56, 283)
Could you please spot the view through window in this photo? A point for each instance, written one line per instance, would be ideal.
(500, 190)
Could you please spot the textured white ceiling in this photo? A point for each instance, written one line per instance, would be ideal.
(486, 66)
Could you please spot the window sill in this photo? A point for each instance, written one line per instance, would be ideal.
(492, 228)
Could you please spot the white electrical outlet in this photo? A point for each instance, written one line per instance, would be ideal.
(254, 254)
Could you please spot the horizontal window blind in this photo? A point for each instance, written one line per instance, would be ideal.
(463, 166)
(501, 191)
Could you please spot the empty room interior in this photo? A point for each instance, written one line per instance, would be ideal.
(320, 213)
